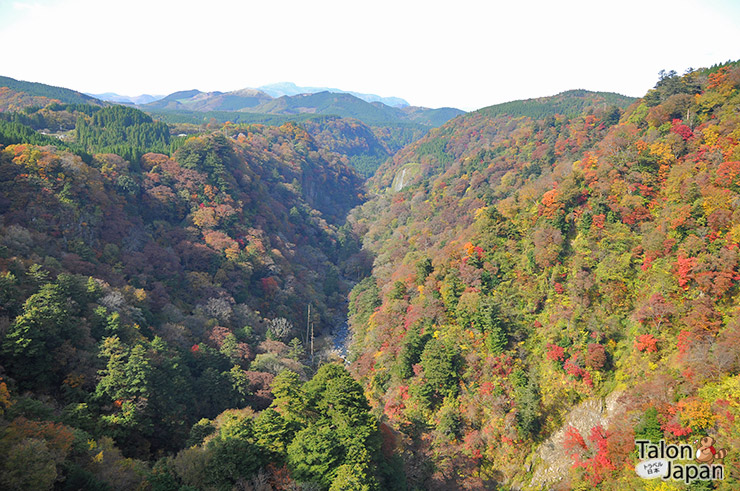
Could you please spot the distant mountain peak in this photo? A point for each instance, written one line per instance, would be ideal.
(126, 99)
(290, 89)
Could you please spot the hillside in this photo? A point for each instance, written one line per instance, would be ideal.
(537, 258)
(145, 297)
(480, 132)
(194, 100)
(17, 94)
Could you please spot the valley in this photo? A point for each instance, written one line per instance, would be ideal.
(253, 290)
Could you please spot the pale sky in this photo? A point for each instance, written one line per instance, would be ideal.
(461, 53)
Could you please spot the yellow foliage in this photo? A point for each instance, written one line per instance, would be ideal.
(728, 389)
(711, 136)
(696, 413)
(232, 252)
(660, 485)
(5, 401)
(663, 152)
(735, 231)
(716, 201)
(98, 458)
(74, 380)
(469, 248)
(140, 294)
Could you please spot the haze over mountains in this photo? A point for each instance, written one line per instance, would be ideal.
(289, 88)
(273, 90)
(286, 99)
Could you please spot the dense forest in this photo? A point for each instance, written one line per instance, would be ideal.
(530, 288)
(548, 288)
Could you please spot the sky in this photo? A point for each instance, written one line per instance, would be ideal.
(462, 53)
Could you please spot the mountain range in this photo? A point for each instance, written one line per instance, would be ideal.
(285, 99)
(289, 88)
(273, 90)
(254, 101)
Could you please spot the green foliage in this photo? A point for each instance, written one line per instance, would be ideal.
(42, 327)
(315, 454)
(29, 464)
(232, 459)
(569, 103)
(648, 427)
(441, 364)
(398, 291)
(199, 432)
(411, 351)
(671, 83)
(527, 397)
(423, 269)
(124, 131)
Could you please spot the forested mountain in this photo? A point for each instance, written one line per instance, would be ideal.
(532, 287)
(255, 102)
(535, 258)
(140, 295)
(17, 94)
(195, 100)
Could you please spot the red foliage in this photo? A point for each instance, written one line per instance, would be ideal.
(685, 340)
(597, 462)
(703, 316)
(218, 335)
(269, 285)
(573, 441)
(646, 343)
(555, 352)
(473, 444)
(550, 205)
(280, 477)
(486, 388)
(599, 220)
(559, 288)
(571, 366)
(670, 422)
(681, 129)
(727, 172)
(717, 78)
(656, 309)
(596, 356)
(684, 267)
(57, 436)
